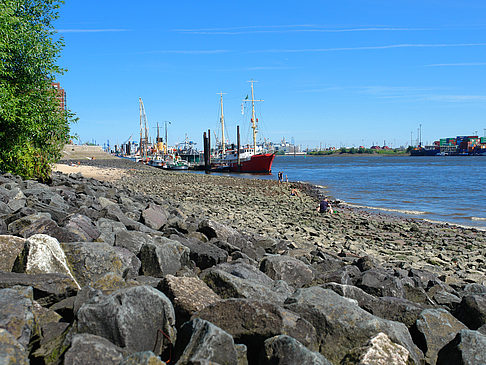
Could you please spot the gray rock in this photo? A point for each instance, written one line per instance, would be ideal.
(348, 275)
(89, 349)
(154, 216)
(341, 324)
(201, 340)
(3, 226)
(82, 226)
(286, 350)
(130, 318)
(18, 225)
(472, 311)
(468, 347)
(213, 229)
(163, 257)
(433, 330)
(380, 284)
(132, 240)
(11, 351)
(249, 321)
(240, 280)
(293, 271)
(204, 254)
(142, 358)
(11, 248)
(380, 350)
(188, 295)
(91, 260)
(47, 288)
(108, 229)
(16, 313)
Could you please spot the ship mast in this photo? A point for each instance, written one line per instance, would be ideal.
(253, 119)
(222, 124)
(143, 123)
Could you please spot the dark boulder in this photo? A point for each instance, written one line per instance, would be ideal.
(131, 318)
(380, 284)
(472, 311)
(204, 254)
(341, 324)
(201, 340)
(291, 270)
(16, 314)
(93, 350)
(163, 257)
(468, 347)
(286, 350)
(240, 280)
(154, 216)
(251, 322)
(433, 329)
(11, 248)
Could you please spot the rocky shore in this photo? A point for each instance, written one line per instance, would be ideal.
(194, 269)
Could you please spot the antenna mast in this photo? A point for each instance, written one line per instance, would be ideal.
(143, 124)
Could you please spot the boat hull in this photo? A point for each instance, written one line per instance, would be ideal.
(261, 163)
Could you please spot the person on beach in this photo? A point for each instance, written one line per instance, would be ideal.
(325, 207)
(286, 178)
(294, 192)
(280, 177)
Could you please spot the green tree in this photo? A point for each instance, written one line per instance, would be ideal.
(33, 127)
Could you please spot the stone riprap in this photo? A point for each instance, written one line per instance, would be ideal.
(189, 268)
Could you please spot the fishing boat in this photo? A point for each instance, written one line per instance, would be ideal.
(251, 158)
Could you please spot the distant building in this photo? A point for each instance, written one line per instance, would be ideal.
(286, 147)
(61, 95)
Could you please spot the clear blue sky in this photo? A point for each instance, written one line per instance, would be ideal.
(345, 72)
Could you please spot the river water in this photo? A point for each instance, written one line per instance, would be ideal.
(440, 188)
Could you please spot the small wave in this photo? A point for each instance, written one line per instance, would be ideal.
(478, 218)
(404, 211)
(455, 224)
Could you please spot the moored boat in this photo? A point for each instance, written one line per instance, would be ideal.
(251, 159)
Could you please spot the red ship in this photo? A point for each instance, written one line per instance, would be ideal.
(250, 158)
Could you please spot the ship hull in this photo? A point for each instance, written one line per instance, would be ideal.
(261, 163)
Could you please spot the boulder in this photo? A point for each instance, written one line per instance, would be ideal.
(341, 324)
(16, 313)
(468, 347)
(135, 319)
(91, 260)
(108, 229)
(11, 248)
(201, 340)
(433, 329)
(286, 350)
(213, 229)
(380, 350)
(11, 351)
(142, 358)
(204, 254)
(154, 216)
(89, 349)
(472, 311)
(380, 284)
(47, 288)
(81, 226)
(291, 270)
(347, 275)
(188, 295)
(45, 256)
(240, 280)
(21, 223)
(163, 257)
(132, 240)
(251, 321)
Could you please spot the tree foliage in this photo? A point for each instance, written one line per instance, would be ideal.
(33, 127)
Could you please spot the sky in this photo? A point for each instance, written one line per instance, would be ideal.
(331, 73)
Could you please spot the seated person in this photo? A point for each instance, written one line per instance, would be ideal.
(325, 207)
